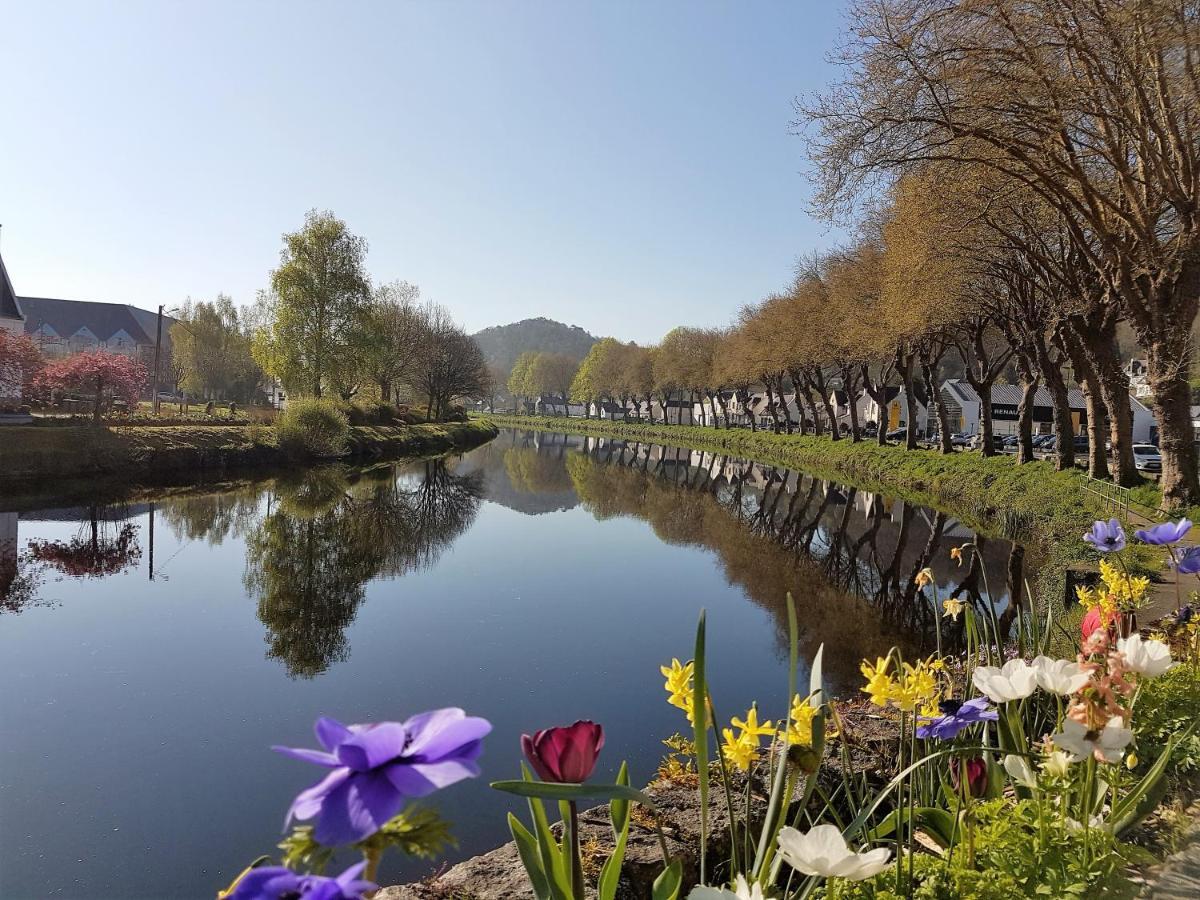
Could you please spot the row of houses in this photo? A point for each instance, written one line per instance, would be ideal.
(963, 405)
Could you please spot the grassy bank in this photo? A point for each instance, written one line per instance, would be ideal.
(33, 454)
(1046, 510)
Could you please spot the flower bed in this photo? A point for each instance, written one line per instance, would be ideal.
(1006, 772)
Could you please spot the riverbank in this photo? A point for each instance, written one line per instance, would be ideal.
(1043, 509)
(34, 455)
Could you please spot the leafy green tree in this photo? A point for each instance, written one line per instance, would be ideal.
(212, 347)
(318, 296)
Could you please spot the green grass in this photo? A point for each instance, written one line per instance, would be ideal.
(1046, 510)
(30, 453)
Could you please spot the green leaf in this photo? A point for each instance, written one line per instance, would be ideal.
(700, 736)
(527, 848)
(618, 810)
(935, 821)
(610, 874)
(549, 791)
(553, 864)
(666, 885)
(1143, 796)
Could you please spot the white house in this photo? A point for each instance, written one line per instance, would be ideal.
(606, 409)
(555, 406)
(1137, 371)
(894, 412)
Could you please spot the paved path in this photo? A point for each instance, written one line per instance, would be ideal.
(1179, 876)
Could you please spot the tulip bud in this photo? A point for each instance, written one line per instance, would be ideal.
(564, 755)
(976, 772)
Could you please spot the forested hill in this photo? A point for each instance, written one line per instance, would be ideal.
(502, 344)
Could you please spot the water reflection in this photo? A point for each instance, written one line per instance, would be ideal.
(325, 536)
(314, 539)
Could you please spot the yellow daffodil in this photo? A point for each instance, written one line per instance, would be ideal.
(924, 577)
(879, 684)
(679, 685)
(1131, 761)
(952, 608)
(739, 751)
(800, 732)
(751, 727)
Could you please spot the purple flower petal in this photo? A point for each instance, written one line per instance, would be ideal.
(371, 746)
(1189, 562)
(442, 732)
(357, 808)
(308, 802)
(320, 757)
(330, 732)
(1164, 533)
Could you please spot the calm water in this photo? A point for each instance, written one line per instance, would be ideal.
(152, 651)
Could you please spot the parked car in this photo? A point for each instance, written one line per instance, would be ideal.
(1011, 442)
(1146, 458)
(900, 434)
(870, 429)
(1082, 444)
(960, 440)
(1041, 440)
(1049, 446)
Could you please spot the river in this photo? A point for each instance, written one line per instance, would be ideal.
(154, 647)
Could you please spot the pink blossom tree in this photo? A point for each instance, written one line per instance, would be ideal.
(20, 364)
(104, 376)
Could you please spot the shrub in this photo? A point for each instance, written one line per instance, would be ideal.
(312, 427)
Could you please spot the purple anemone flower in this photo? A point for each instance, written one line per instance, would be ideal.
(1164, 533)
(1189, 561)
(1106, 536)
(278, 883)
(376, 767)
(957, 717)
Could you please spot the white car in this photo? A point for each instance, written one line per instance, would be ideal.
(1146, 458)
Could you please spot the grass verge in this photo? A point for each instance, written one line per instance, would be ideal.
(31, 454)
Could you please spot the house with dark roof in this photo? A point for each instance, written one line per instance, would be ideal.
(12, 318)
(963, 405)
(63, 327)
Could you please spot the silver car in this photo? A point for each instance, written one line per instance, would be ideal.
(1147, 458)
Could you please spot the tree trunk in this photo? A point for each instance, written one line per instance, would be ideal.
(1167, 376)
(1097, 339)
(1029, 386)
(849, 388)
(1064, 428)
(986, 429)
(1070, 343)
(823, 390)
(771, 407)
(905, 366)
(650, 407)
(939, 404)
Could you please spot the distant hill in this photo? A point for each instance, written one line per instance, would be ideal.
(502, 344)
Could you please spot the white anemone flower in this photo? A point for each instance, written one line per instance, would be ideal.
(1057, 764)
(1059, 676)
(1014, 681)
(1020, 771)
(742, 891)
(1108, 744)
(1095, 823)
(1149, 658)
(823, 851)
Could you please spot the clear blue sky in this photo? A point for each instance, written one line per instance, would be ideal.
(626, 167)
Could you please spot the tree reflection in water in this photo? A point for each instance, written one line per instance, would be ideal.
(849, 557)
(104, 545)
(325, 536)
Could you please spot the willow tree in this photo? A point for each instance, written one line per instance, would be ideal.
(1094, 105)
(318, 295)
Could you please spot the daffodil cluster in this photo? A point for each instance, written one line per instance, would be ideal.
(800, 730)
(1118, 592)
(912, 688)
(742, 750)
(680, 685)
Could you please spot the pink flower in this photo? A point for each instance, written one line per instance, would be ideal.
(564, 755)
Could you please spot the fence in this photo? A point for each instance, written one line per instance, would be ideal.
(1114, 499)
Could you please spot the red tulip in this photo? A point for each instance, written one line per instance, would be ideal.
(564, 755)
(977, 779)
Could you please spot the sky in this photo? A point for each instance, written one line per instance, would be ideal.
(625, 167)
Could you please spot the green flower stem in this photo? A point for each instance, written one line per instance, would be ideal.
(576, 853)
